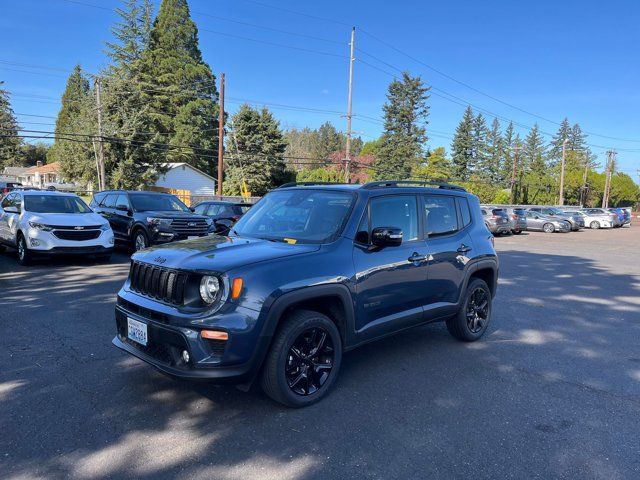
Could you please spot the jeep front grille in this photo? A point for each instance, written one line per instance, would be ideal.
(158, 282)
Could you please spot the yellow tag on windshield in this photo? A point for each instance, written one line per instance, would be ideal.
(292, 241)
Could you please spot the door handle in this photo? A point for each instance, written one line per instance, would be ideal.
(463, 248)
(416, 257)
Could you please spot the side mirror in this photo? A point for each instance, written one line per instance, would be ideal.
(12, 210)
(386, 237)
(192, 210)
(122, 208)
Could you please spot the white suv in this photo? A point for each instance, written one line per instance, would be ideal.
(41, 222)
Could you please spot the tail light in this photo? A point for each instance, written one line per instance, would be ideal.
(5, 190)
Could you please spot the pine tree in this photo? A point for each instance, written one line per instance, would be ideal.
(437, 167)
(10, 143)
(75, 126)
(325, 141)
(405, 120)
(535, 151)
(480, 146)
(495, 154)
(132, 33)
(577, 140)
(179, 88)
(463, 146)
(256, 147)
(509, 139)
(555, 147)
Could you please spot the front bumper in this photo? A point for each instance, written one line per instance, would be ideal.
(43, 242)
(164, 234)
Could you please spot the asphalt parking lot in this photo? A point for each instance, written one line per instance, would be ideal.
(552, 390)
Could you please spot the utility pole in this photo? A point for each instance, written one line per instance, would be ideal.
(607, 181)
(583, 196)
(514, 173)
(349, 98)
(564, 155)
(100, 151)
(220, 134)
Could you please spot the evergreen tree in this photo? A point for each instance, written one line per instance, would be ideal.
(508, 139)
(256, 145)
(462, 147)
(10, 143)
(75, 126)
(326, 141)
(179, 88)
(437, 167)
(577, 140)
(555, 147)
(534, 158)
(480, 146)
(405, 119)
(132, 34)
(495, 154)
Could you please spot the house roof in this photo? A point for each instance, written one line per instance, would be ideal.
(48, 168)
(14, 170)
(173, 165)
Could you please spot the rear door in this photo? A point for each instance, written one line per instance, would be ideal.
(120, 217)
(391, 282)
(446, 225)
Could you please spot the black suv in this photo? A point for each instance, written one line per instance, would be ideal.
(141, 219)
(311, 271)
(224, 214)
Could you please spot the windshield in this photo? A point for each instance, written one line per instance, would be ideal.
(295, 216)
(54, 204)
(161, 203)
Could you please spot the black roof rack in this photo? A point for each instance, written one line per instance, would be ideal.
(307, 184)
(398, 183)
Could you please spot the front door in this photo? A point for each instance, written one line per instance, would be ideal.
(390, 281)
(120, 217)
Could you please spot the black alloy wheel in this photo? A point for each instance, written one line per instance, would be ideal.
(309, 361)
(477, 310)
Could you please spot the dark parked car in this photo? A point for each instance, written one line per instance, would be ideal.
(310, 272)
(141, 219)
(518, 220)
(223, 214)
(624, 217)
(496, 220)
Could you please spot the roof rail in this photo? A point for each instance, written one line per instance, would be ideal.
(398, 183)
(307, 184)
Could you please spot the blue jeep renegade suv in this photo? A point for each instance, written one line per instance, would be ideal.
(310, 272)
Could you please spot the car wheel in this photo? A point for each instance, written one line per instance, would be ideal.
(473, 318)
(517, 232)
(594, 225)
(303, 361)
(24, 255)
(140, 240)
(548, 228)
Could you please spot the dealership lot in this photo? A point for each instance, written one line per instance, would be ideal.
(552, 390)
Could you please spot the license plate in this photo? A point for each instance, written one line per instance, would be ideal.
(191, 237)
(137, 331)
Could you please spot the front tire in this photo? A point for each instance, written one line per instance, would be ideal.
(548, 228)
(140, 240)
(472, 320)
(303, 361)
(594, 225)
(24, 255)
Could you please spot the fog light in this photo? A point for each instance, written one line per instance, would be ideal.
(185, 356)
(111, 241)
(34, 242)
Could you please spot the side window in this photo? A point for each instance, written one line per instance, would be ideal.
(96, 200)
(213, 210)
(200, 209)
(465, 213)
(396, 211)
(109, 201)
(123, 201)
(440, 215)
(8, 200)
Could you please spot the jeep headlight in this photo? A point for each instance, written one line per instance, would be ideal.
(210, 289)
(158, 221)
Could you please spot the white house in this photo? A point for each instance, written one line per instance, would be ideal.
(182, 176)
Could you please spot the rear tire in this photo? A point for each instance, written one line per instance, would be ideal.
(295, 374)
(474, 316)
(548, 228)
(517, 232)
(24, 255)
(594, 225)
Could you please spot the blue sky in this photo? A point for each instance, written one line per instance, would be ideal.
(549, 58)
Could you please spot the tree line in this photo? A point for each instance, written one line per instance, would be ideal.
(158, 103)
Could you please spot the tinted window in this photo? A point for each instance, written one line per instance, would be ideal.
(213, 210)
(519, 211)
(55, 204)
(463, 205)
(145, 202)
(6, 202)
(399, 212)
(109, 201)
(440, 215)
(297, 216)
(97, 199)
(500, 212)
(123, 201)
(200, 209)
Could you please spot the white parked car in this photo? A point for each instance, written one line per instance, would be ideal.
(595, 217)
(41, 222)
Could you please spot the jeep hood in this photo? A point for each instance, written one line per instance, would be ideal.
(218, 253)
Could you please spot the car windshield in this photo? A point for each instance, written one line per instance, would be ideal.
(142, 202)
(55, 204)
(295, 216)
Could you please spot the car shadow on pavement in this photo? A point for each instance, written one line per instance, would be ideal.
(552, 390)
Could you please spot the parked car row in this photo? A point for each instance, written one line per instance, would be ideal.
(505, 220)
(42, 222)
